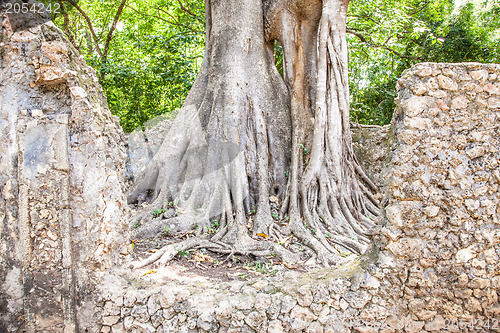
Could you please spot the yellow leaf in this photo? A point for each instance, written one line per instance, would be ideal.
(262, 235)
(151, 271)
(289, 266)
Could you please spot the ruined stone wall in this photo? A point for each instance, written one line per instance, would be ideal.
(63, 214)
(434, 263)
(443, 198)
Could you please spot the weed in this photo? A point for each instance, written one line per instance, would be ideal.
(305, 151)
(275, 216)
(263, 268)
(170, 204)
(137, 224)
(213, 227)
(183, 254)
(167, 230)
(158, 212)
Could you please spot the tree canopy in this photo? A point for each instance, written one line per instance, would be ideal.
(147, 52)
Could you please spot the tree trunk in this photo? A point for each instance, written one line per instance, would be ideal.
(245, 137)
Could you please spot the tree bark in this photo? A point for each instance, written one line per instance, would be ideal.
(245, 137)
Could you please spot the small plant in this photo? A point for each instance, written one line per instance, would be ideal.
(275, 216)
(263, 268)
(252, 211)
(305, 151)
(167, 230)
(213, 227)
(137, 224)
(183, 254)
(287, 174)
(158, 212)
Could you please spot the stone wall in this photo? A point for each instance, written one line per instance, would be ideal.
(63, 214)
(443, 199)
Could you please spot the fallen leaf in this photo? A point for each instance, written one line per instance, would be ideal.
(151, 271)
(284, 241)
(200, 257)
(289, 266)
(262, 235)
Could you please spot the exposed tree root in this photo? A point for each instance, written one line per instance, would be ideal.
(231, 155)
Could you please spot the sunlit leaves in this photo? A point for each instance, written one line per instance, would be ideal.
(153, 57)
(386, 37)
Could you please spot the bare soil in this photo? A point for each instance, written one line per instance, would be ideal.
(222, 267)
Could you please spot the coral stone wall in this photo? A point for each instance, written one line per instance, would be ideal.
(63, 214)
(443, 199)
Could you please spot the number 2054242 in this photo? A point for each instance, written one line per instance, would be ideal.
(23, 8)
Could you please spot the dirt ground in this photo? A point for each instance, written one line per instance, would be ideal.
(216, 266)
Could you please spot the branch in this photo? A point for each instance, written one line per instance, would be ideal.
(420, 9)
(66, 24)
(113, 27)
(89, 24)
(385, 47)
(164, 19)
(178, 23)
(186, 9)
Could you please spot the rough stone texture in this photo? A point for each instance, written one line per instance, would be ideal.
(371, 145)
(63, 215)
(442, 192)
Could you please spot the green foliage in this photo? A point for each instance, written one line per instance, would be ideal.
(167, 230)
(212, 229)
(386, 37)
(264, 268)
(183, 254)
(158, 212)
(153, 57)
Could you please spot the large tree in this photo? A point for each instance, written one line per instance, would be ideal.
(247, 140)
